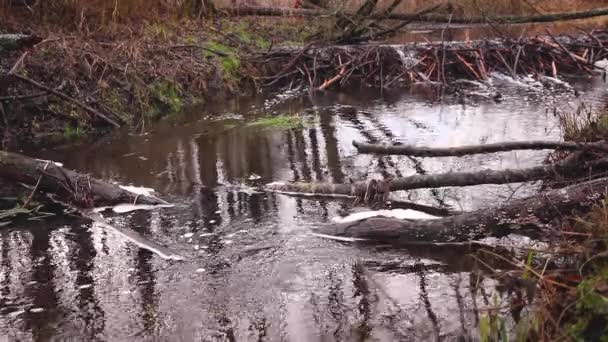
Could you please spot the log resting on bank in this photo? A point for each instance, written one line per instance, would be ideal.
(420, 151)
(81, 190)
(535, 210)
(551, 17)
(567, 167)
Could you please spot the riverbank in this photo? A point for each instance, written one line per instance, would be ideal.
(132, 74)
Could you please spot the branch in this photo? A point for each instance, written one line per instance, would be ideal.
(568, 166)
(408, 150)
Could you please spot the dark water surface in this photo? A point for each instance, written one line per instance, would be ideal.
(252, 271)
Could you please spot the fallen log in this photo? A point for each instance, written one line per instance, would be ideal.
(17, 41)
(509, 19)
(418, 151)
(568, 166)
(535, 210)
(81, 190)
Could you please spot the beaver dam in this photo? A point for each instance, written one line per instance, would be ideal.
(372, 191)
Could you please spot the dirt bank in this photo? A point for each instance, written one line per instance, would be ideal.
(131, 73)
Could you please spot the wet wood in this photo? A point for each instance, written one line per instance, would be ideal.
(421, 151)
(79, 189)
(535, 210)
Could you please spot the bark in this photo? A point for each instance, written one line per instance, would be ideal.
(541, 18)
(535, 210)
(567, 167)
(408, 150)
(81, 190)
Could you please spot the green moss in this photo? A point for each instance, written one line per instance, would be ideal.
(281, 121)
(167, 97)
(228, 58)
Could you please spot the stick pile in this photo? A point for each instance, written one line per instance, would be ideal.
(322, 67)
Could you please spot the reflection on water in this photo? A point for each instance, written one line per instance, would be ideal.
(252, 271)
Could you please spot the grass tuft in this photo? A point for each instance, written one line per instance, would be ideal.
(281, 121)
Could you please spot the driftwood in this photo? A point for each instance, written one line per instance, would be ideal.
(567, 167)
(534, 210)
(417, 151)
(541, 18)
(81, 190)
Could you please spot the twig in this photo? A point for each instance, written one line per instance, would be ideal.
(29, 199)
(443, 48)
(17, 64)
(23, 97)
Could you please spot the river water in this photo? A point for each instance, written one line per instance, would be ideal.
(252, 270)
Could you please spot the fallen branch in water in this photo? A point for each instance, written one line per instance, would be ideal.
(419, 151)
(81, 190)
(567, 167)
(535, 210)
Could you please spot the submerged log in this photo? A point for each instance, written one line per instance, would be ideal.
(419, 151)
(567, 167)
(82, 190)
(534, 210)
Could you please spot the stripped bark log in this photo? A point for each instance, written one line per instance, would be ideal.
(542, 18)
(564, 168)
(534, 210)
(419, 151)
(82, 190)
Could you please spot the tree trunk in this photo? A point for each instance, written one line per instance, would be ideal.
(535, 210)
(82, 190)
(408, 150)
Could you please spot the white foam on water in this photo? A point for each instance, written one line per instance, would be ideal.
(602, 64)
(403, 214)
